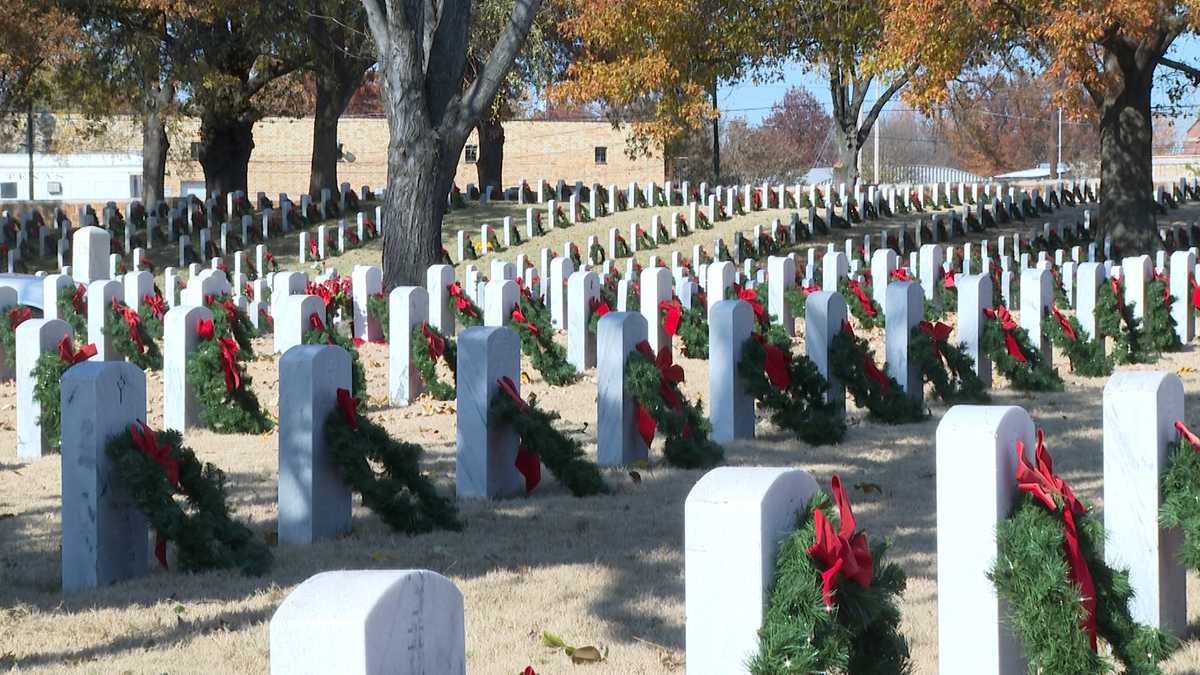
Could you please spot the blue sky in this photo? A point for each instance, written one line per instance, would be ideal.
(753, 102)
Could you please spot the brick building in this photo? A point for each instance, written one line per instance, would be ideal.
(585, 151)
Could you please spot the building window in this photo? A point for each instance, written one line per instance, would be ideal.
(195, 152)
(135, 187)
(8, 190)
(54, 187)
(601, 154)
(471, 154)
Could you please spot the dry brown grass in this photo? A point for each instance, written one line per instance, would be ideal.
(604, 570)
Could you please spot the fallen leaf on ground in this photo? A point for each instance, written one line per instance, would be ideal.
(868, 488)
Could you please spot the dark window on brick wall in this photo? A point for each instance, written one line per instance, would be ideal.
(601, 154)
(471, 154)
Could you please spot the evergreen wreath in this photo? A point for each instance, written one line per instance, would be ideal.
(428, 347)
(1061, 594)
(653, 383)
(1160, 325)
(402, 497)
(154, 467)
(644, 241)
(796, 298)
(621, 248)
(1086, 356)
(123, 326)
(790, 387)
(865, 310)
(17, 315)
(549, 358)
(1008, 346)
(152, 310)
(465, 309)
(320, 334)
(852, 362)
(377, 308)
(47, 373)
(1181, 494)
(833, 606)
(72, 308)
(541, 443)
(232, 321)
(949, 368)
(1115, 319)
(221, 385)
(691, 325)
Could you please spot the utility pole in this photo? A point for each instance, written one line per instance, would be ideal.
(1058, 162)
(878, 121)
(29, 145)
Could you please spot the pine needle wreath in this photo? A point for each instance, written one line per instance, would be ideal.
(1115, 319)
(232, 321)
(948, 367)
(320, 334)
(423, 341)
(1008, 346)
(72, 308)
(563, 455)
(16, 316)
(852, 628)
(532, 323)
(123, 326)
(1086, 356)
(222, 386)
(465, 309)
(154, 468)
(1160, 325)
(378, 309)
(864, 309)
(791, 388)
(796, 298)
(399, 493)
(1050, 608)
(653, 383)
(152, 310)
(690, 325)
(1181, 495)
(852, 362)
(47, 374)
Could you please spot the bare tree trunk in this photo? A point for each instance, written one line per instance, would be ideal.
(845, 169)
(1126, 171)
(225, 147)
(716, 139)
(490, 164)
(155, 145)
(327, 111)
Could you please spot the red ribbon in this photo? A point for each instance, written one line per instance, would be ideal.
(599, 307)
(233, 378)
(1187, 435)
(205, 330)
(844, 552)
(948, 279)
(939, 334)
(461, 300)
(857, 289)
(646, 425)
(1046, 487)
(437, 343)
(67, 353)
(348, 406)
(133, 322)
(312, 248)
(528, 464)
(1008, 325)
(1195, 293)
(751, 296)
(900, 274)
(507, 386)
(145, 441)
(18, 316)
(775, 364)
(79, 300)
(674, 316)
(869, 368)
(1064, 323)
(156, 303)
(519, 317)
(670, 374)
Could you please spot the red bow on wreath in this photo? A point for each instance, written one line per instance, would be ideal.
(79, 300)
(437, 343)
(948, 279)
(751, 296)
(348, 406)
(674, 315)
(939, 334)
(670, 375)
(133, 322)
(312, 248)
(900, 274)
(1007, 324)
(869, 368)
(205, 330)
(1116, 288)
(18, 316)
(775, 363)
(461, 301)
(315, 322)
(528, 464)
(156, 303)
(599, 307)
(519, 317)
(233, 378)
(1064, 323)
(857, 289)
(145, 441)
(1049, 489)
(1196, 293)
(68, 355)
(1166, 282)
(843, 552)
(1187, 435)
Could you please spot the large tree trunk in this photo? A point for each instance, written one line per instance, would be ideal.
(225, 147)
(326, 113)
(490, 163)
(154, 157)
(845, 169)
(1126, 170)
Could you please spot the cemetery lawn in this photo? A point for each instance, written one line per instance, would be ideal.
(605, 571)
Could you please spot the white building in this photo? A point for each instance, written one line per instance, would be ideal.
(68, 178)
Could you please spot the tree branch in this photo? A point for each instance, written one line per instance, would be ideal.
(884, 97)
(1192, 72)
(484, 88)
(378, 23)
